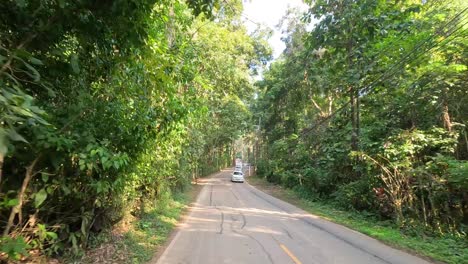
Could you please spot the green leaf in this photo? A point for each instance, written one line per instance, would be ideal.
(35, 61)
(116, 164)
(15, 136)
(74, 241)
(12, 202)
(45, 177)
(3, 142)
(62, 3)
(33, 72)
(21, 53)
(52, 235)
(21, 3)
(40, 197)
(49, 89)
(66, 190)
(2, 58)
(14, 247)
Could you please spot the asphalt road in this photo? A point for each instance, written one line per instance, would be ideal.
(236, 223)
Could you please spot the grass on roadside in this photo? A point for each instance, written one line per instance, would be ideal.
(153, 228)
(139, 238)
(447, 249)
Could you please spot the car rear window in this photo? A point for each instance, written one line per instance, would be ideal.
(237, 173)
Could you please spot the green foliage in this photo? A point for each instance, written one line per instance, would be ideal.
(365, 108)
(356, 195)
(152, 228)
(107, 108)
(457, 171)
(416, 176)
(447, 248)
(14, 248)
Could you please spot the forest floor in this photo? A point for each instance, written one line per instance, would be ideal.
(440, 249)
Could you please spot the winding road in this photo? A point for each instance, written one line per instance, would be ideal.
(236, 223)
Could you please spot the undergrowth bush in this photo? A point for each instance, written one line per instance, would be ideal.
(357, 195)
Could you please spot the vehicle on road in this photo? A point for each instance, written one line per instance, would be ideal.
(237, 176)
(238, 168)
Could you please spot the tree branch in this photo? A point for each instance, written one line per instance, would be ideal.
(17, 208)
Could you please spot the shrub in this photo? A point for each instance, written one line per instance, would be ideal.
(357, 195)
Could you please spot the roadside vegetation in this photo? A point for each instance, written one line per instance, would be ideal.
(107, 108)
(137, 239)
(445, 248)
(110, 108)
(365, 113)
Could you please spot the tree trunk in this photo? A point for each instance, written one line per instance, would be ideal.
(322, 113)
(354, 121)
(353, 94)
(446, 117)
(233, 153)
(465, 132)
(16, 210)
(2, 156)
(330, 105)
(358, 118)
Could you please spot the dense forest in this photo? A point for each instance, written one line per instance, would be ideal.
(108, 106)
(368, 109)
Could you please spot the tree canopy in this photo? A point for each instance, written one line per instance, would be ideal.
(106, 106)
(367, 108)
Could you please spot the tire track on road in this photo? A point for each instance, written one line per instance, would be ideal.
(287, 232)
(221, 228)
(244, 219)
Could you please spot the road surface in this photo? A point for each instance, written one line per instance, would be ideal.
(236, 223)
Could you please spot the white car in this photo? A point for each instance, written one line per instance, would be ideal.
(237, 176)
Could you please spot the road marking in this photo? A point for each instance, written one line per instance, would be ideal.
(291, 255)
